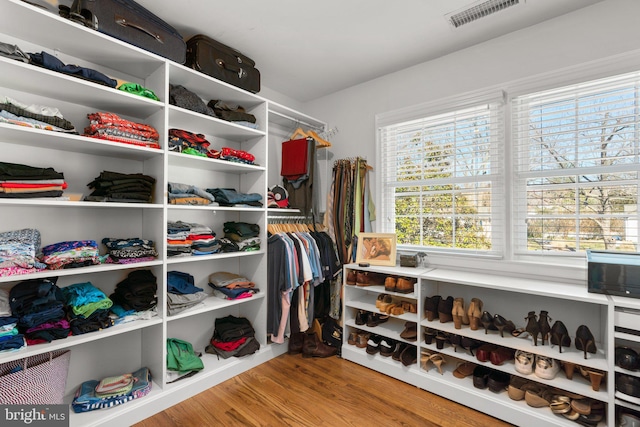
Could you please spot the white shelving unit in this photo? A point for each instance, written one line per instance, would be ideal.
(511, 297)
(126, 348)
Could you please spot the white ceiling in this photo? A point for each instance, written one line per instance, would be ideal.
(306, 49)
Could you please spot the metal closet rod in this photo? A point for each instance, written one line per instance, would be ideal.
(288, 218)
(302, 122)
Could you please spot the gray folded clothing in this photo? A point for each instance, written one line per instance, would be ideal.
(180, 302)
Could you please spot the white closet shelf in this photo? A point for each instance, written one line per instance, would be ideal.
(204, 163)
(75, 340)
(194, 122)
(209, 88)
(199, 258)
(214, 303)
(595, 361)
(42, 202)
(377, 289)
(80, 271)
(387, 329)
(395, 271)
(369, 305)
(516, 284)
(213, 208)
(52, 84)
(21, 21)
(75, 143)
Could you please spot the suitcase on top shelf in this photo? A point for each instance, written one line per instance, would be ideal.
(222, 62)
(126, 20)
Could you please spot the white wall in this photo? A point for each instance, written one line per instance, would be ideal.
(606, 29)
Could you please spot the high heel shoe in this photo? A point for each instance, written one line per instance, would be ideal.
(430, 335)
(594, 376)
(503, 324)
(487, 322)
(460, 316)
(560, 335)
(444, 310)
(543, 325)
(455, 340)
(585, 341)
(533, 328)
(475, 313)
(431, 307)
(469, 344)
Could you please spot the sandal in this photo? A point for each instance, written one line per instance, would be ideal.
(438, 360)
(560, 404)
(464, 369)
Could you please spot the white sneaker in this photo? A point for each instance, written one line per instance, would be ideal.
(546, 367)
(524, 362)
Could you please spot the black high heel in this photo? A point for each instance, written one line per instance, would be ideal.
(503, 324)
(469, 344)
(487, 321)
(560, 335)
(585, 340)
(455, 340)
(543, 325)
(532, 326)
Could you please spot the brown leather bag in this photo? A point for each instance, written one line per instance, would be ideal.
(222, 62)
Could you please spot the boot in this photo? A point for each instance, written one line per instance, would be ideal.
(460, 316)
(295, 343)
(313, 347)
(475, 313)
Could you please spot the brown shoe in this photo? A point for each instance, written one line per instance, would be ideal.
(376, 279)
(390, 284)
(405, 285)
(313, 347)
(362, 278)
(351, 277)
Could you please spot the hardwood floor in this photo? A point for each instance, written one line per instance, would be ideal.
(294, 391)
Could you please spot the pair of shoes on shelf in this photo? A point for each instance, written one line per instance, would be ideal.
(496, 381)
(359, 338)
(585, 341)
(540, 326)
(560, 335)
(497, 355)
(351, 277)
(486, 319)
(544, 367)
(464, 369)
(475, 313)
(405, 285)
(373, 344)
(437, 359)
(594, 376)
(438, 307)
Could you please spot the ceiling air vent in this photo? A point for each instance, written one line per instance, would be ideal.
(479, 10)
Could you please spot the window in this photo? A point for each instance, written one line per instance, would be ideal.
(576, 162)
(441, 178)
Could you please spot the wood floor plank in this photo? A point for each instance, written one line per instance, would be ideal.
(294, 391)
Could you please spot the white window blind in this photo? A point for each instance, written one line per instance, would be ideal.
(576, 167)
(442, 180)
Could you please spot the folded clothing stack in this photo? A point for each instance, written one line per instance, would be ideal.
(232, 197)
(87, 308)
(34, 116)
(112, 391)
(241, 237)
(186, 239)
(233, 336)
(182, 361)
(70, 254)
(18, 250)
(10, 337)
(39, 306)
(185, 194)
(186, 142)
(129, 250)
(18, 181)
(136, 292)
(238, 156)
(182, 292)
(50, 62)
(121, 187)
(233, 113)
(231, 286)
(112, 127)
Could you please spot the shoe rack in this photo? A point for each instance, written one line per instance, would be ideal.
(626, 342)
(448, 369)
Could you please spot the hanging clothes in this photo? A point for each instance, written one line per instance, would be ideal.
(302, 265)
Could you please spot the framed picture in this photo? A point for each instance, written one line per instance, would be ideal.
(377, 248)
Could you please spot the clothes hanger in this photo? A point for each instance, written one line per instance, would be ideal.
(322, 143)
(299, 133)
